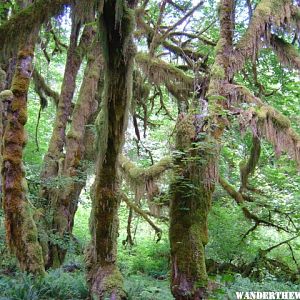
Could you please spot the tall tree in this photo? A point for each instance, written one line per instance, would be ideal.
(64, 199)
(116, 24)
(54, 158)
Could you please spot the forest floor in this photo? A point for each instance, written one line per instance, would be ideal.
(145, 267)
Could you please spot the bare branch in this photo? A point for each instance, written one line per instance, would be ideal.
(144, 215)
(238, 197)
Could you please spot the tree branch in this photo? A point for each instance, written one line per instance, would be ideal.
(248, 168)
(287, 53)
(42, 86)
(238, 197)
(144, 215)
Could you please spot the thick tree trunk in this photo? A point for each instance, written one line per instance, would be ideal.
(65, 200)
(103, 275)
(21, 230)
(191, 192)
(198, 139)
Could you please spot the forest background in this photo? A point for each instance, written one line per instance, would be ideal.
(212, 145)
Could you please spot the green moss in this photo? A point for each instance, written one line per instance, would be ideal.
(7, 94)
(220, 46)
(185, 132)
(114, 280)
(72, 134)
(161, 71)
(218, 72)
(2, 79)
(276, 117)
(216, 98)
(20, 85)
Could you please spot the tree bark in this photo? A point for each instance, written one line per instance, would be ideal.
(115, 33)
(21, 231)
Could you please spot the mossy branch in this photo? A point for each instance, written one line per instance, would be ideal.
(267, 12)
(43, 87)
(265, 121)
(247, 168)
(141, 175)
(159, 71)
(28, 19)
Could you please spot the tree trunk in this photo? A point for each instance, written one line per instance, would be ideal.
(64, 200)
(191, 192)
(198, 142)
(115, 33)
(54, 159)
(21, 230)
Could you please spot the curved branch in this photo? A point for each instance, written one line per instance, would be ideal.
(239, 199)
(142, 175)
(42, 86)
(143, 214)
(247, 168)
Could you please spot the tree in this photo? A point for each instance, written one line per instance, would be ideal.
(115, 25)
(217, 76)
(21, 231)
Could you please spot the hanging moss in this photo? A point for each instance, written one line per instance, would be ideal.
(159, 71)
(267, 12)
(287, 53)
(266, 122)
(277, 118)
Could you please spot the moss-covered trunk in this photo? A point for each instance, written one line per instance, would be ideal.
(115, 25)
(21, 231)
(191, 192)
(198, 143)
(64, 200)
